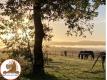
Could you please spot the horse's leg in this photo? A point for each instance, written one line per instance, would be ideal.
(82, 56)
(86, 56)
(93, 56)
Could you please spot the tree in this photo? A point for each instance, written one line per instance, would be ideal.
(72, 11)
(16, 34)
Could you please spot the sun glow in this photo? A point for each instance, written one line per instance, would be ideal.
(22, 33)
(26, 20)
(19, 31)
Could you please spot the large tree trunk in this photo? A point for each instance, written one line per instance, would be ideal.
(38, 65)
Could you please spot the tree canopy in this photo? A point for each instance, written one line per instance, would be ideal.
(74, 12)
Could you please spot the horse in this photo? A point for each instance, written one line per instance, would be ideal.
(86, 54)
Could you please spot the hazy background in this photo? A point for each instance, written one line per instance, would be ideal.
(59, 29)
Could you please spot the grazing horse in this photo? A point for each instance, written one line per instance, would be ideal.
(85, 54)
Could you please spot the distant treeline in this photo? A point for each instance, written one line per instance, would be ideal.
(78, 43)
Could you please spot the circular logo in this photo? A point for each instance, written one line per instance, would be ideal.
(10, 69)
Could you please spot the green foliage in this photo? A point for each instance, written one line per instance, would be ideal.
(48, 32)
(23, 52)
(16, 33)
(72, 11)
(24, 57)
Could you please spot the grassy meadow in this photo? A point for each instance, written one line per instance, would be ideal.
(66, 68)
(61, 67)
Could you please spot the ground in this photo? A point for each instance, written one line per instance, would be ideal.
(67, 68)
(70, 68)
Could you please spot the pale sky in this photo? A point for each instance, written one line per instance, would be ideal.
(99, 33)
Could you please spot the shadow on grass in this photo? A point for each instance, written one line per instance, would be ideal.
(45, 76)
(56, 63)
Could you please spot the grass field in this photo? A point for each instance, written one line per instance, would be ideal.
(66, 68)
(69, 68)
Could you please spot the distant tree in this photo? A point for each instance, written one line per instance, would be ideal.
(72, 11)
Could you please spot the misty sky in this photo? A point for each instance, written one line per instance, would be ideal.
(99, 33)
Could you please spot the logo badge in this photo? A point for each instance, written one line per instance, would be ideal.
(10, 69)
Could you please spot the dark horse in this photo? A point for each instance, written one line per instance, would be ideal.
(85, 54)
